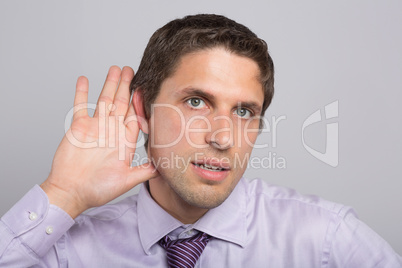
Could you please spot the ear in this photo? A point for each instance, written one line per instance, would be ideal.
(140, 111)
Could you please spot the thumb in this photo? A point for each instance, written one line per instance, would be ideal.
(141, 173)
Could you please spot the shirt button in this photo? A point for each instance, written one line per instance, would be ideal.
(49, 230)
(33, 216)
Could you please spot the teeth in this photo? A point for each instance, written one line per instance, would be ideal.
(208, 167)
(211, 167)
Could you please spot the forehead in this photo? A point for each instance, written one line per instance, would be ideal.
(218, 72)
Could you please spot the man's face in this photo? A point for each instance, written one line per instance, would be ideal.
(203, 126)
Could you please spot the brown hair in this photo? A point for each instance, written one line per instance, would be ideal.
(193, 33)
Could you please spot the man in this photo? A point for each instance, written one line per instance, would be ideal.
(202, 86)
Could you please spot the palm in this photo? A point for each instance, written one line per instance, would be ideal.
(92, 163)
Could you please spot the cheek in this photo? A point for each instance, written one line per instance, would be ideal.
(250, 139)
(196, 129)
(250, 134)
(166, 127)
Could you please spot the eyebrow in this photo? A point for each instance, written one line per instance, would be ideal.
(252, 105)
(197, 92)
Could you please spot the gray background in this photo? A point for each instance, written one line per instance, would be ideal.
(324, 51)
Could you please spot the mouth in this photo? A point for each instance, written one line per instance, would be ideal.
(210, 167)
(210, 170)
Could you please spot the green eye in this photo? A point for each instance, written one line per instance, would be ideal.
(196, 102)
(242, 112)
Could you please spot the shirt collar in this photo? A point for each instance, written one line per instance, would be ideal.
(153, 221)
(226, 222)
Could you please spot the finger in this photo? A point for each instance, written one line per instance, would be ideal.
(81, 98)
(122, 97)
(128, 133)
(109, 89)
(131, 117)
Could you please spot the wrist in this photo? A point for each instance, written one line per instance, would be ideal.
(62, 199)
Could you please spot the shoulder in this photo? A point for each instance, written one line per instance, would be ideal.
(304, 224)
(111, 221)
(278, 200)
(105, 228)
(111, 211)
(308, 224)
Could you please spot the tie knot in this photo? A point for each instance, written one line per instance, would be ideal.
(184, 252)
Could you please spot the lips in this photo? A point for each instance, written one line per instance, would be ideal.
(211, 169)
(208, 167)
(213, 163)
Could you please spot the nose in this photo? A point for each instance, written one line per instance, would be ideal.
(221, 135)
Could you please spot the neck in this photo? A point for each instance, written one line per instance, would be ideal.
(174, 204)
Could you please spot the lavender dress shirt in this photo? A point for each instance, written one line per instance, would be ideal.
(259, 225)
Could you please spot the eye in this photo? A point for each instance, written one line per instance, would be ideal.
(196, 103)
(243, 113)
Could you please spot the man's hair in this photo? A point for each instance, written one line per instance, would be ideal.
(195, 33)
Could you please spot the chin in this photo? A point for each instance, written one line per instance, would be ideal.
(205, 197)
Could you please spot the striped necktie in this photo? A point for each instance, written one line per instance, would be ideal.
(184, 253)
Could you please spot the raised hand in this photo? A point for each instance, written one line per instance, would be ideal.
(92, 163)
